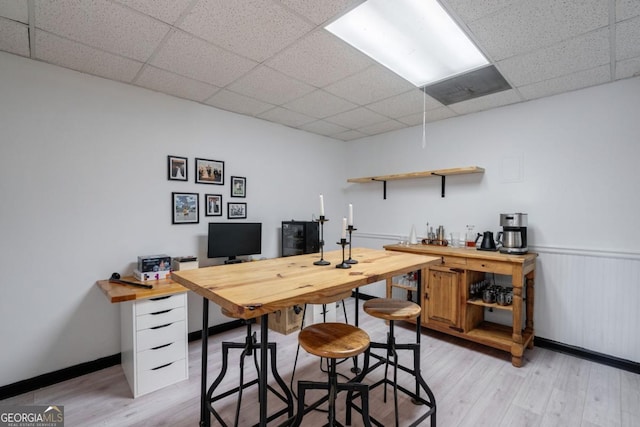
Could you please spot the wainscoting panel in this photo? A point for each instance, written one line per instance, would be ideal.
(584, 298)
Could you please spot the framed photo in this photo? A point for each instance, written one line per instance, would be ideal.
(236, 210)
(213, 204)
(238, 186)
(184, 207)
(177, 168)
(209, 171)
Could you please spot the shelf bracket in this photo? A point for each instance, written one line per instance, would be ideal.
(442, 183)
(384, 187)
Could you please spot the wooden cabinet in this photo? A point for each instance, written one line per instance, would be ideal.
(447, 306)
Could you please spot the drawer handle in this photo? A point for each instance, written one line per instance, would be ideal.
(160, 298)
(163, 366)
(161, 326)
(161, 346)
(161, 312)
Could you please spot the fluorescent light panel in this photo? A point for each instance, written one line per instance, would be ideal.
(416, 39)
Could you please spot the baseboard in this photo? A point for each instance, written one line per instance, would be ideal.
(593, 356)
(71, 372)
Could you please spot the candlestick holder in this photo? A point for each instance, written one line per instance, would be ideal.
(343, 264)
(322, 261)
(350, 229)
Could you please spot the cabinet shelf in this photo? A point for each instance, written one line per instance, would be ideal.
(492, 305)
(406, 287)
(442, 173)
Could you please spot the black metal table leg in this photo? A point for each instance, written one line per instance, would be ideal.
(205, 416)
(262, 373)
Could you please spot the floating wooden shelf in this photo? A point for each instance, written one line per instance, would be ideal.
(442, 173)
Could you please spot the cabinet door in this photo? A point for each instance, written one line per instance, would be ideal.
(442, 299)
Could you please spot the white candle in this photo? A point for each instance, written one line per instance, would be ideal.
(321, 205)
(344, 228)
(350, 214)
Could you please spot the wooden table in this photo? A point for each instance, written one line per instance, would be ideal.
(255, 289)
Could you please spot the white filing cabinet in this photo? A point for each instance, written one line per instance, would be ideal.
(154, 342)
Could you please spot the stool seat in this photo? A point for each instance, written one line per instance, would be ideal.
(333, 340)
(391, 309)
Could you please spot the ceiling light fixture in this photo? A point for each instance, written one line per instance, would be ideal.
(416, 39)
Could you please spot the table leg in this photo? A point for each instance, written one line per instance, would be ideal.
(205, 416)
(262, 373)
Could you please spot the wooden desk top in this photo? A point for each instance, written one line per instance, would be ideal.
(252, 289)
(119, 293)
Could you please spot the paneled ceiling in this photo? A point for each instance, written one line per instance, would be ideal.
(272, 59)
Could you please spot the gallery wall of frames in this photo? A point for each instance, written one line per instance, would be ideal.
(185, 206)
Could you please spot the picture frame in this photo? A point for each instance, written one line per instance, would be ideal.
(213, 204)
(236, 210)
(238, 186)
(177, 168)
(184, 208)
(209, 171)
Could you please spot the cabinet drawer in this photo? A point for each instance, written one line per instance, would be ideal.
(153, 305)
(160, 335)
(161, 355)
(159, 318)
(161, 376)
(490, 266)
(450, 261)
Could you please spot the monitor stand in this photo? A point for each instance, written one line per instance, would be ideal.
(233, 260)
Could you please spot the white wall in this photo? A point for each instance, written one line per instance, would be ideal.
(569, 161)
(84, 191)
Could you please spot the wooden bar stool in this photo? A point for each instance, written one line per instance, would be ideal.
(393, 310)
(334, 341)
(249, 347)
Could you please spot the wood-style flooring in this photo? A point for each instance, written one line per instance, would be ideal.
(474, 386)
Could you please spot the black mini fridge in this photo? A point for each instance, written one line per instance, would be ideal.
(300, 237)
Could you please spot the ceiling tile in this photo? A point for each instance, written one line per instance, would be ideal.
(253, 28)
(349, 135)
(320, 58)
(433, 115)
(592, 77)
(405, 104)
(323, 127)
(382, 127)
(235, 102)
(628, 39)
(319, 104)
(531, 25)
(174, 84)
(473, 10)
(165, 10)
(15, 10)
(270, 86)
(286, 117)
(354, 119)
(486, 102)
(626, 9)
(103, 25)
(14, 37)
(628, 68)
(576, 54)
(371, 85)
(199, 60)
(320, 12)
(70, 54)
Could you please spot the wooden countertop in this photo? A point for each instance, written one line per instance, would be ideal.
(119, 293)
(436, 250)
(251, 289)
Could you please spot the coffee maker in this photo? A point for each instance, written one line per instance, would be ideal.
(514, 233)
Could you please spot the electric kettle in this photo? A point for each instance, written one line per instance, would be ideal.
(488, 244)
